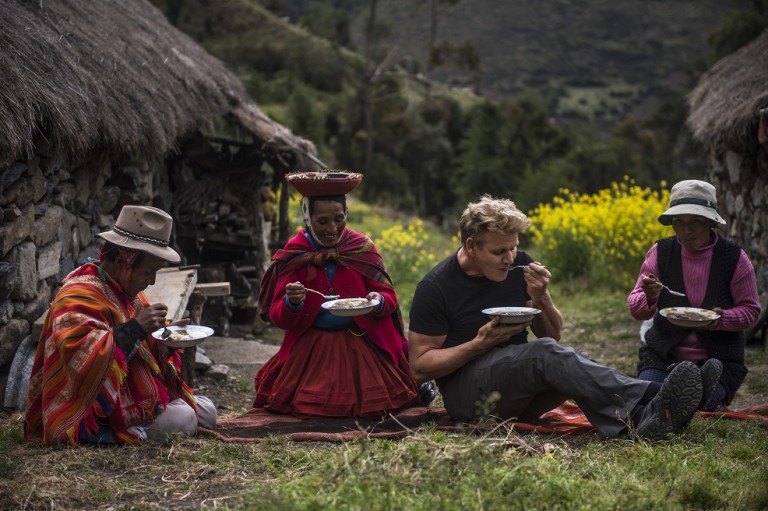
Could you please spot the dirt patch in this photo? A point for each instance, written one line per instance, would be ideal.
(243, 357)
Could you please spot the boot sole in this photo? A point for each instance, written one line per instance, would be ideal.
(675, 403)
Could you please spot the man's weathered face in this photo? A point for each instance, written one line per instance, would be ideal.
(140, 276)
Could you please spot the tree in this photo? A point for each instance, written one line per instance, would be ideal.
(326, 21)
(481, 164)
(305, 115)
(746, 21)
(463, 55)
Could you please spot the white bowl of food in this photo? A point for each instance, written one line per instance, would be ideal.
(348, 307)
(512, 315)
(689, 317)
(182, 336)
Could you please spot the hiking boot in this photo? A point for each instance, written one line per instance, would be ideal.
(710, 376)
(673, 407)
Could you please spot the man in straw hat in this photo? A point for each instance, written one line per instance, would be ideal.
(484, 367)
(98, 375)
(709, 272)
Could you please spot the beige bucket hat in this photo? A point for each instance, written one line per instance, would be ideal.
(692, 197)
(144, 228)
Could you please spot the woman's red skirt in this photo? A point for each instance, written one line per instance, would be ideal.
(335, 374)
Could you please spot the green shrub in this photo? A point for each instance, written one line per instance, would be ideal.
(604, 236)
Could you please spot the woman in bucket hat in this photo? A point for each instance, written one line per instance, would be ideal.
(331, 366)
(98, 375)
(710, 272)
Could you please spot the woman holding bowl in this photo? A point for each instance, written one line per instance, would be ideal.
(329, 365)
(710, 272)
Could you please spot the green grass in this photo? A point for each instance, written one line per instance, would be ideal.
(714, 464)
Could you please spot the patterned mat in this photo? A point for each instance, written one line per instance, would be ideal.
(257, 424)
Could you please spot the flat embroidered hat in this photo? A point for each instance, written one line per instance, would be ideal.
(324, 184)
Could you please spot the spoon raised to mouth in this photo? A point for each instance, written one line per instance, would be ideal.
(519, 266)
(327, 297)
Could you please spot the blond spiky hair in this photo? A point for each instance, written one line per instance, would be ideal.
(489, 214)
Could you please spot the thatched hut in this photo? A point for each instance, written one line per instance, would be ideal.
(104, 103)
(729, 115)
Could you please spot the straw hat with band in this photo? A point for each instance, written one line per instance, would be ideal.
(692, 197)
(143, 228)
(322, 184)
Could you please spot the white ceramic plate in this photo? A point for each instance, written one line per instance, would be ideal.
(510, 315)
(348, 307)
(183, 336)
(689, 317)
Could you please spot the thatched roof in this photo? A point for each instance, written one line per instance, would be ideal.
(90, 73)
(725, 103)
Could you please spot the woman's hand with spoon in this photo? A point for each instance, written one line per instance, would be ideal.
(651, 288)
(296, 292)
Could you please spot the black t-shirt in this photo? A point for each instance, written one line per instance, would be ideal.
(449, 302)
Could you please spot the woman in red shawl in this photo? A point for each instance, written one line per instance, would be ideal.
(330, 366)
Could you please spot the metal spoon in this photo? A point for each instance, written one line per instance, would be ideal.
(673, 293)
(327, 297)
(166, 332)
(519, 266)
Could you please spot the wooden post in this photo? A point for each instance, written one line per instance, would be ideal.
(195, 304)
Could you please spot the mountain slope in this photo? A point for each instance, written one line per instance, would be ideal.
(599, 59)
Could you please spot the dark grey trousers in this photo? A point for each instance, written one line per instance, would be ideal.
(533, 378)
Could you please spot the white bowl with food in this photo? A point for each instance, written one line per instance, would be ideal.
(512, 315)
(349, 307)
(689, 317)
(182, 336)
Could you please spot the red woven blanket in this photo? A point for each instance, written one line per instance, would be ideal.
(257, 424)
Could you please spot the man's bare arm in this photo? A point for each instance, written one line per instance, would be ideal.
(429, 360)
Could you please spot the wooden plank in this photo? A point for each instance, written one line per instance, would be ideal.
(173, 287)
(213, 288)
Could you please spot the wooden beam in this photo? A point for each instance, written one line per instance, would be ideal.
(213, 288)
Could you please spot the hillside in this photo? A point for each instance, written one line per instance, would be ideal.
(427, 146)
(594, 59)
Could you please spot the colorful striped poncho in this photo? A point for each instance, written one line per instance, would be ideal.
(80, 377)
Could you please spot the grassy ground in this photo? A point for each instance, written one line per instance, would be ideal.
(714, 464)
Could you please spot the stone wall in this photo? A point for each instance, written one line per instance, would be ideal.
(50, 210)
(742, 183)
